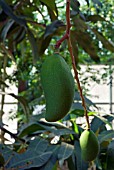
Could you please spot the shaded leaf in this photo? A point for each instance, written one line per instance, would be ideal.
(20, 35)
(97, 2)
(38, 145)
(2, 161)
(28, 159)
(105, 120)
(6, 28)
(75, 5)
(50, 4)
(106, 43)
(65, 151)
(71, 165)
(10, 13)
(77, 151)
(55, 130)
(110, 157)
(87, 2)
(80, 164)
(6, 152)
(50, 29)
(33, 45)
(95, 18)
(43, 43)
(96, 123)
(89, 46)
(52, 163)
(31, 128)
(106, 135)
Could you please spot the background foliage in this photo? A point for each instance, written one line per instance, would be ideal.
(29, 30)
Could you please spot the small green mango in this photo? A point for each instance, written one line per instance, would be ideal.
(58, 85)
(89, 145)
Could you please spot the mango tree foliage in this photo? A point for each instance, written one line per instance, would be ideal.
(29, 30)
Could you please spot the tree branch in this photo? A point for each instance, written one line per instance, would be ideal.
(67, 36)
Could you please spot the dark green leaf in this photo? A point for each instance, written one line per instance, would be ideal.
(97, 2)
(95, 18)
(6, 152)
(10, 13)
(31, 128)
(65, 151)
(77, 151)
(50, 4)
(106, 43)
(38, 145)
(71, 165)
(110, 157)
(6, 29)
(105, 120)
(106, 135)
(52, 163)
(96, 123)
(29, 159)
(33, 45)
(50, 29)
(61, 131)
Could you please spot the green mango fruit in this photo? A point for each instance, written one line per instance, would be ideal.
(89, 145)
(58, 85)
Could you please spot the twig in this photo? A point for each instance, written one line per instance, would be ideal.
(67, 36)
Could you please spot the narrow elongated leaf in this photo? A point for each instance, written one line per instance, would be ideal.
(95, 18)
(80, 164)
(106, 43)
(89, 47)
(71, 165)
(77, 152)
(10, 13)
(110, 156)
(6, 29)
(33, 45)
(59, 132)
(20, 35)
